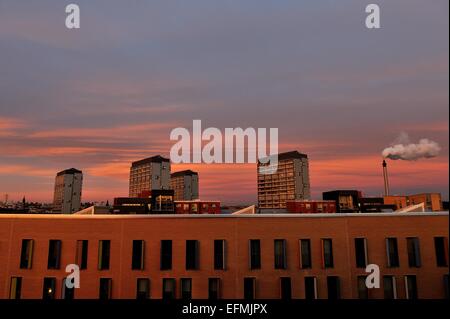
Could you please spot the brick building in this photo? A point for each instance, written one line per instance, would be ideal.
(217, 256)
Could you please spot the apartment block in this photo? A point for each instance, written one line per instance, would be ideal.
(185, 185)
(152, 173)
(67, 192)
(289, 182)
(254, 256)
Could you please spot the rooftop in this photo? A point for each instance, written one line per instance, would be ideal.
(153, 159)
(69, 171)
(183, 173)
(186, 216)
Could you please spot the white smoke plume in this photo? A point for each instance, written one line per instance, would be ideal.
(403, 149)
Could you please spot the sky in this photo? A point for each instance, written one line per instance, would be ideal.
(99, 97)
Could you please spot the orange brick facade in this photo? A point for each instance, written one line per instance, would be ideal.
(236, 231)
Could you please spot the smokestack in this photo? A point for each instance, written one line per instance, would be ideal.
(386, 179)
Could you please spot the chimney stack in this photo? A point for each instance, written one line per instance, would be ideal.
(386, 179)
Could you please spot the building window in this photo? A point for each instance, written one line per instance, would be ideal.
(285, 288)
(333, 287)
(255, 254)
(26, 254)
(192, 254)
(105, 291)
(327, 253)
(104, 247)
(213, 288)
(249, 288)
(143, 288)
(305, 254)
(310, 288)
(363, 291)
(15, 288)
(361, 252)
(54, 254)
(168, 288)
(186, 288)
(81, 254)
(411, 287)
(219, 254)
(413, 251)
(440, 247)
(137, 259)
(66, 292)
(392, 252)
(166, 255)
(48, 291)
(280, 254)
(389, 287)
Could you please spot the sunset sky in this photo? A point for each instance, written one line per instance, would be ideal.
(109, 93)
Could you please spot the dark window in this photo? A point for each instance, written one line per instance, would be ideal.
(54, 254)
(280, 253)
(363, 291)
(333, 287)
(82, 254)
(249, 288)
(441, 251)
(104, 247)
(186, 288)
(166, 254)
(66, 292)
(310, 288)
(411, 287)
(26, 254)
(105, 290)
(214, 288)
(327, 253)
(413, 251)
(390, 287)
(285, 288)
(15, 288)
(48, 291)
(392, 252)
(255, 254)
(361, 252)
(137, 260)
(305, 253)
(143, 288)
(192, 254)
(219, 254)
(168, 288)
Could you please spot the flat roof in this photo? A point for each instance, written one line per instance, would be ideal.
(145, 216)
(153, 159)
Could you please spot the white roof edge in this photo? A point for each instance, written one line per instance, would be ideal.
(114, 216)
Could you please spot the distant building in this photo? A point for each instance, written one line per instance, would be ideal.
(400, 202)
(149, 174)
(197, 207)
(185, 185)
(149, 202)
(289, 182)
(311, 206)
(67, 196)
(374, 205)
(346, 200)
(432, 201)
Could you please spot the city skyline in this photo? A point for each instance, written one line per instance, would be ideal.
(110, 93)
